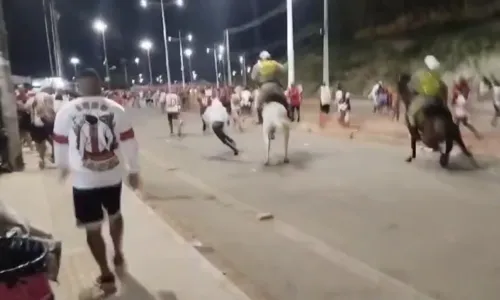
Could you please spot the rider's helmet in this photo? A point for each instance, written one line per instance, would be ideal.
(432, 63)
(264, 55)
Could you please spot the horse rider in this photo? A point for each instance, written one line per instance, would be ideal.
(267, 72)
(428, 86)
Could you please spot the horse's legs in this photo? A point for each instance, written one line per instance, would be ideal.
(286, 134)
(267, 141)
(413, 145)
(41, 148)
(445, 156)
(51, 142)
(460, 142)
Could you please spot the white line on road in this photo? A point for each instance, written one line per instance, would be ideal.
(335, 256)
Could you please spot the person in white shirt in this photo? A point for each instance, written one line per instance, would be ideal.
(374, 95)
(496, 101)
(88, 133)
(325, 98)
(236, 110)
(246, 101)
(41, 109)
(163, 101)
(173, 108)
(216, 115)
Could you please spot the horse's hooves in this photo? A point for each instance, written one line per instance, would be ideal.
(41, 165)
(409, 159)
(266, 164)
(443, 161)
(286, 161)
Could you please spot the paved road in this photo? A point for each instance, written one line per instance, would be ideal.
(352, 220)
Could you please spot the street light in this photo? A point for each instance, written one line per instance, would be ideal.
(100, 26)
(243, 65)
(180, 39)
(137, 60)
(147, 45)
(221, 49)
(189, 52)
(75, 61)
(215, 64)
(166, 39)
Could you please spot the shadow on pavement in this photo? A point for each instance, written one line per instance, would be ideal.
(131, 289)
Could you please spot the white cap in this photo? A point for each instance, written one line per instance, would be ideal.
(265, 55)
(431, 62)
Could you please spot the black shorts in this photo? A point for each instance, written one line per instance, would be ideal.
(228, 107)
(325, 108)
(172, 116)
(90, 204)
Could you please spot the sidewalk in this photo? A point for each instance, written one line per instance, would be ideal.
(162, 265)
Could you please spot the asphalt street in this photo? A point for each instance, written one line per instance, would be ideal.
(351, 220)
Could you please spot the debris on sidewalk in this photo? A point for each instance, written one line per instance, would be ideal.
(265, 216)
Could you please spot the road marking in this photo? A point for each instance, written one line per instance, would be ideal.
(335, 256)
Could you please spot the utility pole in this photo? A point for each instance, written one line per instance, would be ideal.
(125, 71)
(54, 14)
(228, 59)
(8, 103)
(326, 50)
(47, 37)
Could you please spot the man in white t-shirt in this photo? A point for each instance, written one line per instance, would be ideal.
(88, 133)
(496, 101)
(173, 109)
(216, 115)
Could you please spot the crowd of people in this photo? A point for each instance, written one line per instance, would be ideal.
(87, 129)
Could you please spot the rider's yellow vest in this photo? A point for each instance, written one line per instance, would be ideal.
(268, 70)
(430, 83)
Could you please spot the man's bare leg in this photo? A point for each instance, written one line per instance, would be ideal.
(97, 246)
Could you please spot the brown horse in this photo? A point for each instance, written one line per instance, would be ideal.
(434, 124)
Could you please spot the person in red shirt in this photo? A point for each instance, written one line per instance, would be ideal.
(294, 98)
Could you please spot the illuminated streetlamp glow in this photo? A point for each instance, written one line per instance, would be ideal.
(146, 45)
(188, 52)
(137, 60)
(219, 56)
(100, 26)
(241, 59)
(221, 49)
(179, 3)
(75, 61)
(189, 37)
(144, 3)
(208, 50)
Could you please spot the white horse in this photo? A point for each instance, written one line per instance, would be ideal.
(275, 117)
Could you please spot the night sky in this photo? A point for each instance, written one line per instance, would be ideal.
(128, 23)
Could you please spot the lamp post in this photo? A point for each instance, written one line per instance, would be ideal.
(75, 61)
(216, 64)
(289, 42)
(100, 26)
(189, 52)
(180, 39)
(147, 45)
(326, 54)
(179, 3)
(243, 64)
